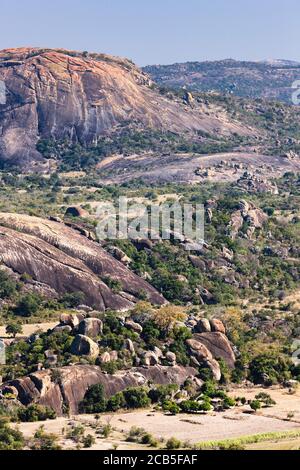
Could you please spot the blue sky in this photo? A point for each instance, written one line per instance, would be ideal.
(157, 31)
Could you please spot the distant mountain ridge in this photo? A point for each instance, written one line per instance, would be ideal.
(269, 79)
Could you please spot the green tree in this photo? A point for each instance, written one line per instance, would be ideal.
(13, 328)
(28, 305)
(255, 405)
(94, 400)
(7, 286)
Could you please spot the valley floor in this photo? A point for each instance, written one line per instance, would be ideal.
(192, 429)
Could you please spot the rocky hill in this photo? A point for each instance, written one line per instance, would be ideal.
(79, 97)
(60, 260)
(269, 80)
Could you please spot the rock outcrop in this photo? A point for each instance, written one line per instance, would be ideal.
(58, 94)
(218, 345)
(57, 256)
(250, 214)
(69, 391)
(84, 346)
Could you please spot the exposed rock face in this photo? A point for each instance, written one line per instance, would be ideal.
(199, 350)
(84, 346)
(68, 95)
(218, 345)
(59, 257)
(75, 380)
(202, 355)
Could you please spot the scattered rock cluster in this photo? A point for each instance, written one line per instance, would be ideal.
(247, 213)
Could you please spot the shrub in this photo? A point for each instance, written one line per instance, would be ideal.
(44, 441)
(265, 398)
(88, 441)
(116, 402)
(135, 433)
(13, 328)
(94, 400)
(10, 439)
(136, 397)
(7, 286)
(255, 405)
(33, 413)
(73, 299)
(269, 369)
(162, 392)
(76, 433)
(171, 407)
(28, 305)
(173, 444)
(147, 438)
(106, 430)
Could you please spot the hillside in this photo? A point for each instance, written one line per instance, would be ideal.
(269, 80)
(79, 97)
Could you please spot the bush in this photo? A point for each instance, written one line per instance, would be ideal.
(147, 438)
(73, 299)
(44, 441)
(94, 400)
(173, 444)
(116, 402)
(28, 305)
(7, 286)
(265, 399)
(33, 413)
(10, 439)
(171, 407)
(255, 405)
(88, 441)
(136, 397)
(13, 328)
(270, 369)
(162, 392)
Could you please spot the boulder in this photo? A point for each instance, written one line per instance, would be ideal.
(171, 357)
(218, 346)
(150, 359)
(197, 262)
(114, 356)
(70, 319)
(76, 211)
(62, 328)
(120, 255)
(131, 325)
(105, 358)
(198, 349)
(249, 214)
(129, 346)
(216, 325)
(215, 368)
(84, 346)
(62, 260)
(91, 327)
(203, 326)
(158, 352)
